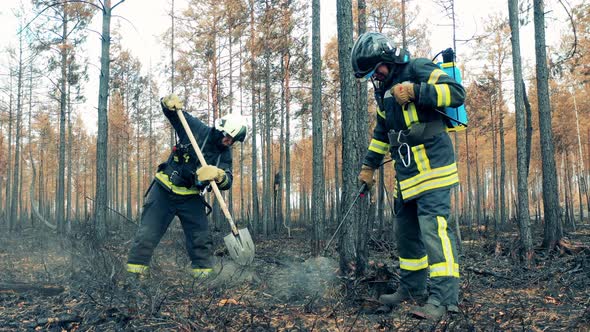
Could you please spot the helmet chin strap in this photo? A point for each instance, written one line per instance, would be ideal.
(373, 82)
(392, 68)
(387, 80)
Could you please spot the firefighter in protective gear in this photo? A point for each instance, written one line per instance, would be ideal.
(410, 94)
(178, 186)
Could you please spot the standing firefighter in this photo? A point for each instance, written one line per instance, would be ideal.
(179, 184)
(411, 94)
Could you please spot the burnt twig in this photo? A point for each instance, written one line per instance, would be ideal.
(486, 273)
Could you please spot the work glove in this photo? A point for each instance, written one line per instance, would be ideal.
(172, 102)
(210, 172)
(366, 176)
(403, 92)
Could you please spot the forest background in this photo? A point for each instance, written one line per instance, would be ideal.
(61, 169)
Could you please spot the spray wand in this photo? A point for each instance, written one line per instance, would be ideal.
(360, 193)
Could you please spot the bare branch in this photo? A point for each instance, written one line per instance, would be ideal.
(57, 3)
(126, 20)
(118, 3)
(572, 51)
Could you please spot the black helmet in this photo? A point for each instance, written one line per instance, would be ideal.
(372, 49)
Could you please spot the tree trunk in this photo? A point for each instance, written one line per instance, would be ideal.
(138, 167)
(494, 167)
(2, 179)
(287, 146)
(60, 199)
(552, 233)
(69, 156)
(318, 206)
(41, 191)
(151, 139)
(22, 201)
(279, 187)
(529, 126)
(127, 150)
(84, 185)
(230, 196)
(172, 69)
(502, 183)
(350, 163)
(255, 211)
(284, 146)
(14, 197)
(214, 79)
(478, 203)
(7, 208)
(363, 210)
(455, 190)
(569, 192)
(585, 175)
(337, 170)
(30, 136)
(403, 25)
(242, 192)
(78, 186)
(115, 182)
(521, 142)
(381, 203)
(100, 204)
(581, 169)
(496, 178)
(268, 166)
(469, 214)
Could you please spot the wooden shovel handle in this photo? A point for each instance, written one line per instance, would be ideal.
(224, 208)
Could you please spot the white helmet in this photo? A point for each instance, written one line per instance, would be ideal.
(233, 125)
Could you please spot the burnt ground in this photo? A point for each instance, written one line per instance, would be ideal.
(57, 283)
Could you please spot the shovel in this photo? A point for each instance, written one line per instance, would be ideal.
(239, 242)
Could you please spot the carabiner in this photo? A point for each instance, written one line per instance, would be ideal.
(406, 160)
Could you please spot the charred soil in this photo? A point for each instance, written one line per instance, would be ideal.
(74, 283)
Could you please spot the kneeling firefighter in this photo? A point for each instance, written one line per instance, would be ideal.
(411, 95)
(179, 184)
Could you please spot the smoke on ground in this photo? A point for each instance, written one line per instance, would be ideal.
(314, 278)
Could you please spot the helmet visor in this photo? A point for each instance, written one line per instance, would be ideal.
(239, 136)
(365, 77)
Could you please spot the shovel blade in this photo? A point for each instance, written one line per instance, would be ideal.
(240, 247)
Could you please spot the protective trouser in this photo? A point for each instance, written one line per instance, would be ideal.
(426, 242)
(159, 210)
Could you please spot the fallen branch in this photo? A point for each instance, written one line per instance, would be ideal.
(117, 212)
(61, 319)
(486, 273)
(41, 289)
(567, 247)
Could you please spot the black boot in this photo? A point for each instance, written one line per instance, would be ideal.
(390, 301)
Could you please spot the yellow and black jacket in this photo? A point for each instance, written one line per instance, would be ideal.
(178, 172)
(432, 161)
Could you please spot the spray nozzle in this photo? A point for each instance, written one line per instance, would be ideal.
(448, 55)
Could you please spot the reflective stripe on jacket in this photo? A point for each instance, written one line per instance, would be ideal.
(432, 163)
(178, 172)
